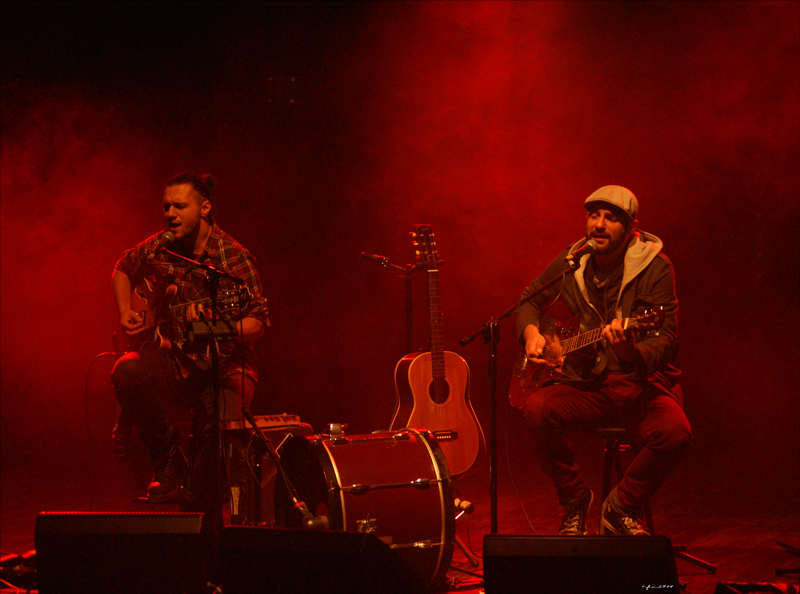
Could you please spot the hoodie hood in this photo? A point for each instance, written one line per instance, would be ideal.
(643, 247)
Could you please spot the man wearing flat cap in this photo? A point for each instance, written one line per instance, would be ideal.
(620, 377)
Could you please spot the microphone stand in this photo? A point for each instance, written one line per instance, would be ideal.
(310, 521)
(491, 336)
(407, 270)
(212, 278)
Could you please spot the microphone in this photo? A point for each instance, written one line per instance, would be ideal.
(589, 247)
(380, 260)
(310, 521)
(316, 523)
(166, 241)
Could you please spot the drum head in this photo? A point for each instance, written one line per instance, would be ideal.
(394, 485)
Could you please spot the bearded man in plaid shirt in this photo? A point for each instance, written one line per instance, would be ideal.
(161, 364)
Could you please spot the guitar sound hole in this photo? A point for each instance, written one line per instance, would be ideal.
(439, 390)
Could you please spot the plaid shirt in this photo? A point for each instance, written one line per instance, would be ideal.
(224, 253)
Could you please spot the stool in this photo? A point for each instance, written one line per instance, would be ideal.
(617, 440)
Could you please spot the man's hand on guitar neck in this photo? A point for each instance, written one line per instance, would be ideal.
(195, 312)
(249, 328)
(622, 342)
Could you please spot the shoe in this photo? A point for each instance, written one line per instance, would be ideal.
(574, 521)
(619, 523)
(169, 483)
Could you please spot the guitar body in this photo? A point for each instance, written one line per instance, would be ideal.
(146, 299)
(157, 306)
(526, 379)
(444, 410)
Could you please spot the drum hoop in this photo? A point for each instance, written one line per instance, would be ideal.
(439, 482)
(338, 482)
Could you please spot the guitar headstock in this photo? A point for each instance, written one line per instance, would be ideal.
(423, 240)
(652, 319)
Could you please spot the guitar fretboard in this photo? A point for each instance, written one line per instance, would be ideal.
(226, 300)
(437, 333)
(591, 336)
(578, 342)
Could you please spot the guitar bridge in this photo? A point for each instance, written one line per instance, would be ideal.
(445, 435)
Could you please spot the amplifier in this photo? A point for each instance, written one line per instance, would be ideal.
(251, 471)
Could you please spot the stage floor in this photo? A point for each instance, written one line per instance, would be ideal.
(729, 520)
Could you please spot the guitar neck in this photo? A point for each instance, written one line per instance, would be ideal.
(649, 320)
(584, 339)
(176, 311)
(437, 333)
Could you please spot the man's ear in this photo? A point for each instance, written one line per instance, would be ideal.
(205, 208)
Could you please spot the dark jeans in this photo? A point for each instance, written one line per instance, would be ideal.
(662, 430)
(145, 381)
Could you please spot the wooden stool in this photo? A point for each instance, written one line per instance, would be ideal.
(617, 440)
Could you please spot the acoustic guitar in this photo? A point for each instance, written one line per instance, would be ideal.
(433, 387)
(155, 305)
(529, 378)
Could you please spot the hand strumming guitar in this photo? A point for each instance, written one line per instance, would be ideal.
(541, 352)
(131, 322)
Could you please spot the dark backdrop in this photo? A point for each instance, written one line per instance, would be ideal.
(332, 129)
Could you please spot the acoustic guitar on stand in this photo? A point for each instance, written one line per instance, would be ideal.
(433, 387)
(528, 378)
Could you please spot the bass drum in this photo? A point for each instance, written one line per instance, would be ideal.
(393, 484)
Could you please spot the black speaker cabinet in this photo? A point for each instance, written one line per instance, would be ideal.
(579, 564)
(119, 553)
(293, 560)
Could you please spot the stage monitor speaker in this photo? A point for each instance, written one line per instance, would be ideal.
(578, 564)
(119, 553)
(292, 560)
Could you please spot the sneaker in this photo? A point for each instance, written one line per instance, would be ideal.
(574, 521)
(169, 484)
(619, 523)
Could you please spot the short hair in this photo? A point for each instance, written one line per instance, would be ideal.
(204, 184)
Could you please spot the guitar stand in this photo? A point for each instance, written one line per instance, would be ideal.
(454, 584)
(465, 507)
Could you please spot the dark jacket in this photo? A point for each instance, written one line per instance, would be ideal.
(648, 281)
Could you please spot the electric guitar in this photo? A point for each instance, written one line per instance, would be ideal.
(529, 378)
(433, 387)
(154, 304)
